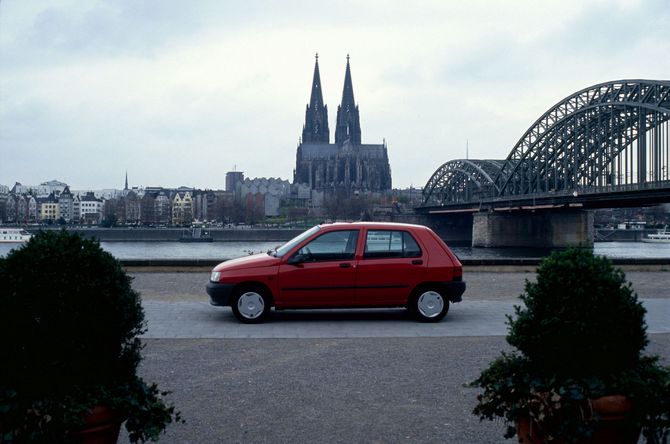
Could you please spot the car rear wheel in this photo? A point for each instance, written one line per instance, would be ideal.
(251, 305)
(428, 305)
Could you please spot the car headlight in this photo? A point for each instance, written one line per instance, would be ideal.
(215, 276)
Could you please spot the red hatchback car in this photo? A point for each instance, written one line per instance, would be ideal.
(344, 265)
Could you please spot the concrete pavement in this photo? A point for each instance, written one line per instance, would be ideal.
(177, 306)
(191, 320)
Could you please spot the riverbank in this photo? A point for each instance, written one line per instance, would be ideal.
(141, 234)
(249, 234)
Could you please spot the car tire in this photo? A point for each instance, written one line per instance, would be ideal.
(251, 305)
(428, 304)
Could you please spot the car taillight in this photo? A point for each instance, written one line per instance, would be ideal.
(458, 274)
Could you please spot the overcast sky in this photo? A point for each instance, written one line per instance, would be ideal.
(180, 92)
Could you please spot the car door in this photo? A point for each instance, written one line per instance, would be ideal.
(393, 263)
(321, 273)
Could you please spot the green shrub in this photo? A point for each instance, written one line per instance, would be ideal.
(580, 310)
(69, 327)
(580, 335)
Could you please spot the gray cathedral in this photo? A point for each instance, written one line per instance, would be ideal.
(346, 165)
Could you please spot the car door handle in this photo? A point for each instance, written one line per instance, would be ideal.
(345, 265)
(417, 262)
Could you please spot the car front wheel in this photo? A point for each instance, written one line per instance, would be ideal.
(251, 305)
(428, 305)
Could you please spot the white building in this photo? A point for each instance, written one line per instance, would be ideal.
(42, 190)
(91, 208)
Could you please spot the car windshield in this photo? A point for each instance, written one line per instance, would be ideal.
(288, 246)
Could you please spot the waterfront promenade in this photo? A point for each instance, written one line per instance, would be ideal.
(338, 376)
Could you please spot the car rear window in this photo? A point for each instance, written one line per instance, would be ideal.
(389, 243)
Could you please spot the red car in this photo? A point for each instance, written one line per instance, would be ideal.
(344, 265)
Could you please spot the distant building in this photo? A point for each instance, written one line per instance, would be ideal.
(262, 196)
(133, 210)
(50, 209)
(66, 205)
(51, 186)
(205, 205)
(182, 208)
(148, 208)
(43, 189)
(10, 209)
(91, 208)
(162, 208)
(346, 165)
(232, 179)
(32, 208)
(21, 189)
(21, 209)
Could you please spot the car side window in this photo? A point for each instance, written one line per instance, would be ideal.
(410, 247)
(387, 243)
(335, 245)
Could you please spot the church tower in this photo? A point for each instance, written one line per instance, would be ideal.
(346, 166)
(348, 120)
(315, 129)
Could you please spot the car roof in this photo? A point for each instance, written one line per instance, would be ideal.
(376, 225)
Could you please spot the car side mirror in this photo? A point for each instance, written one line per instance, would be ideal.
(297, 259)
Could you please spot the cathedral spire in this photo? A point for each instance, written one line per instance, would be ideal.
(316, 115)
(316, 99)
(348, 91)
(348, 121)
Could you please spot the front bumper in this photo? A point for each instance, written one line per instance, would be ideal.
(219, 294)
(454, 290)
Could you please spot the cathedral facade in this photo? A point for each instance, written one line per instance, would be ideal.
(346, 165)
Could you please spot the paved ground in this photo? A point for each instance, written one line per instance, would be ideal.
(335, 376)
(189, 320)
(492, 286)
(177, 307)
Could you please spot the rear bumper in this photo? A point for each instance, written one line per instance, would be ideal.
(219, 294)
(453, 290)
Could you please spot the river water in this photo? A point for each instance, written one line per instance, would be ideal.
(229, 250)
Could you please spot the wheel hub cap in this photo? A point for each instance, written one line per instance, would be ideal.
(250, 305)
(430, 304)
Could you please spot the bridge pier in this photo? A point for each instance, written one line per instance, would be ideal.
(452, 228)
(557, 229)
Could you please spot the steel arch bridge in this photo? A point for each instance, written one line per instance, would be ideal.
(609, 138)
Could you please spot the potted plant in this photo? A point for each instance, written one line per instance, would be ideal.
(578, 373)
(69, 327)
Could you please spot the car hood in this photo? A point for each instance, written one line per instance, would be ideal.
(254, 261)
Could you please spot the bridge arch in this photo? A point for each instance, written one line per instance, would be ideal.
(609, 135)
(461, 181)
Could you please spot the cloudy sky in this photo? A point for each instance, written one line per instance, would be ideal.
(179, 92)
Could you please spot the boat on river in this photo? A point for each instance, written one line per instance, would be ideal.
(14, 235)
(196, 234)
(660, 237)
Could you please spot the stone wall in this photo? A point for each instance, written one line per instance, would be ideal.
(173, 234)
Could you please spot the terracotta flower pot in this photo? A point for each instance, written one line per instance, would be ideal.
(614, 426)
(101, 426)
